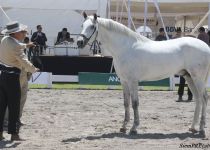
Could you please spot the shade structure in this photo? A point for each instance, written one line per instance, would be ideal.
(147, 33)
(141, 29)
(175, 13)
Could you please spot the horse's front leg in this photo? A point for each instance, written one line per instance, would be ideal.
(126, 96)
(203, 115)
(135, 104)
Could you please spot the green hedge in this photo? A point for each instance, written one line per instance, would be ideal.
(87, 78)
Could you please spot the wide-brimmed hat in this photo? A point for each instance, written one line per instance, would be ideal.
(14, 27)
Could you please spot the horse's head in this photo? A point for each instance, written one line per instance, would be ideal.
(89, 30)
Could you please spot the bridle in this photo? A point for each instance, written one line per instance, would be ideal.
(86, 39)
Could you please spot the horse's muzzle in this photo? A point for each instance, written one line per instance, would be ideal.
(80, 43)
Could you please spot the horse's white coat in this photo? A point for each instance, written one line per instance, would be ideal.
(137, 58)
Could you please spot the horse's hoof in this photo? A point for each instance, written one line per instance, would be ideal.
(205, 138)
(202, 134)
(193, 130)
(123, 130)
(133, 132)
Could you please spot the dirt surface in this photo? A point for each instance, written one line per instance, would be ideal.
(91, 119)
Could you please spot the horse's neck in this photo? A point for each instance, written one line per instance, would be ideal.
(115, 38)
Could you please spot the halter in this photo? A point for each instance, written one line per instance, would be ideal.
(86, 39)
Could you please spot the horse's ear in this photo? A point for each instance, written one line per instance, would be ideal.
(95, 17)
(84, 14)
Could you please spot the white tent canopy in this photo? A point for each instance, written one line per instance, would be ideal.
(52, 4)
(167, 7)
(53, 15)
(176, 13)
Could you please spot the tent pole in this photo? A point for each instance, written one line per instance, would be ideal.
(121, 11)
(117, 10)
(2, 21)
(185, 19)
(130, 17)
(145, 16)
(209, 19)
(129, 13)
(8, 18)
(200, 23)
(161, 18)
(109, 1)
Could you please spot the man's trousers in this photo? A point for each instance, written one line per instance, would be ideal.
(10, 97)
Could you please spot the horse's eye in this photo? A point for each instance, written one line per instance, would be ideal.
(92, 27)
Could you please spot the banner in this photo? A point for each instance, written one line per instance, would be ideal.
(43, 78)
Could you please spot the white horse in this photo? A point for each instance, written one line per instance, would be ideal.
(137, 58)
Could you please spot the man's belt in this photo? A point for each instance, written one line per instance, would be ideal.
(12, 70)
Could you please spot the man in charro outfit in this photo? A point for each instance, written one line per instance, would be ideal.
(12, 61)
(24, 78)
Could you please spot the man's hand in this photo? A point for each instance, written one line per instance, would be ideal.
(37, 69)
(29, 75)
(30, 44)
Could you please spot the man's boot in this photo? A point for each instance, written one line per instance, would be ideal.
(16, 137)
(1, 136)
(189, 98)
(180, 99)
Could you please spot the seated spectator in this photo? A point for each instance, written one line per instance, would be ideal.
(209, 36)
(203, 36)
(178, 33)
(63, 36)
(161, 36)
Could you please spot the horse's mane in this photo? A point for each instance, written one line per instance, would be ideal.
(120, 28)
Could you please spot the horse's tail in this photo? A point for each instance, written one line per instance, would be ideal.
(208, 71)
(207, 75)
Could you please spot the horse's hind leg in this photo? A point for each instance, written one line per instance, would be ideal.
(204, 105)
(197, 101)
(126, 95)
(203, 114)
(135, 103)
(201, 101)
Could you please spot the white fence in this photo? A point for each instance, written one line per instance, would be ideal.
(46, 78)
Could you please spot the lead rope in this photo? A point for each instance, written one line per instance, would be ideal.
(36, 55)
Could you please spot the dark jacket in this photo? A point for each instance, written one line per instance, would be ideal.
(39, 37)
(204, 37)
(160, 38)
(60, 37)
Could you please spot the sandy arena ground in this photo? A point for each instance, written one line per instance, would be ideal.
(91, 119)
